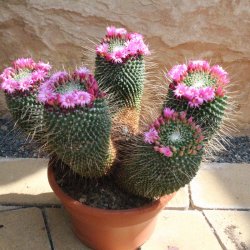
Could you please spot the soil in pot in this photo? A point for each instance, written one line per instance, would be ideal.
(100, 193)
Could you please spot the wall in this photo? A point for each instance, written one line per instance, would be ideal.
(55, 31)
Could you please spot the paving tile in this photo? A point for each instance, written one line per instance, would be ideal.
(222, 185)
(182, 230)
(24, 181)
(60, 230)
(23, 229)
(232, 227)
(180, 200)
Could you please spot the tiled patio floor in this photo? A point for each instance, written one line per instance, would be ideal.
(212, 213)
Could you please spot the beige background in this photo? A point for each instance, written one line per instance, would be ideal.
(217, 30)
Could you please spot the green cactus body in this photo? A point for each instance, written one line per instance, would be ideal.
(82, 138)
(28, 112)
(78, 123)
(199, 89)
(209, 115)
(123, 81)
(167, 158)
(20, 84)
(120, 71)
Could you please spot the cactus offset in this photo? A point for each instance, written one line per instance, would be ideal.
(120, 71)
(78, 122)
(199, 89)
(20, 84)
(166, 158)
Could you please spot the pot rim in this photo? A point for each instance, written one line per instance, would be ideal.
(65, 198)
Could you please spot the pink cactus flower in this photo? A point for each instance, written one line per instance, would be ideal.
(121, 31)
(207, 94)
(67, 100)
(60, 76)
(24, 63)
(168, 112)
(46, 95)
(9, 85)
(120, 54)
(82, 98)
(25, 84)
(116, 58)
(220, 74)
(195, 102)
(220, 91)
(181, 90)
(7, 73)
(102, 49)
(151, 136)
(166, 151)
(191, 93)
(177, 72)
(82, 72)
(38, 75)
(134, 36)
(43, 66)
(111, 31)
(198, 65)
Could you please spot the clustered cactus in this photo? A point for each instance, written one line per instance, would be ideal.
(75, 115)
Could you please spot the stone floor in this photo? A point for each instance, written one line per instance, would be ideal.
(213, 212)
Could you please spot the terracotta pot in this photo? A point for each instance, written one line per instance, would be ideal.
(102, 229)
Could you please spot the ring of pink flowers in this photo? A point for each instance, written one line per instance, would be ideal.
(134, 46)
(49, 89)
(196, 97)
(38, 73)
(169, 114)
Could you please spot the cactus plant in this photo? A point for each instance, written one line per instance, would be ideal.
(120, 71)
(91, 126)
(78, 122)
(20, 84)
(164, 158)
(200, 89)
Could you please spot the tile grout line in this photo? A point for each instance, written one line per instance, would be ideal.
(31, 205)
(47, 228)
(214, 231)
(190, 206)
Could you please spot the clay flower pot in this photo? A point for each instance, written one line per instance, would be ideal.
(102, 229)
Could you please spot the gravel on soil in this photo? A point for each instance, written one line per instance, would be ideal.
(101, 193)
(15, 144)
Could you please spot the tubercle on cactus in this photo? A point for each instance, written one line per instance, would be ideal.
(23, 76)
(198, 82)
